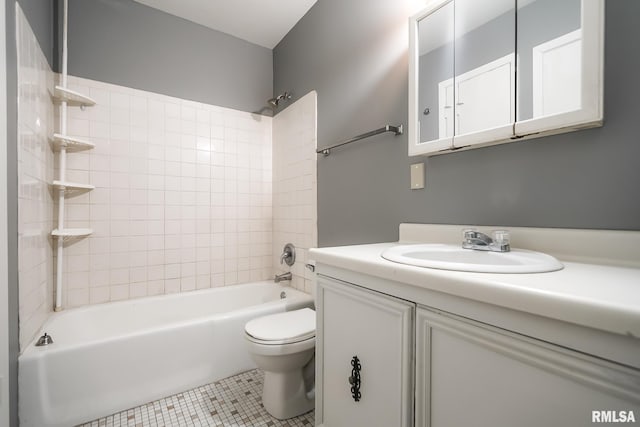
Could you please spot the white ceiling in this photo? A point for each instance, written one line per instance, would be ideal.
(262, 22)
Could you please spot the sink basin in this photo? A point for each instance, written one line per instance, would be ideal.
(452, 257)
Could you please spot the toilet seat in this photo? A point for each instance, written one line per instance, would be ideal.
(283, 328)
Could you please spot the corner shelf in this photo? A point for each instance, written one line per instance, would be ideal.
(71, 232)
(65, 144)
(72, 186)
(71, 97)
(70, 143)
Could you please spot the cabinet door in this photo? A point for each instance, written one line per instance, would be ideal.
(378, 329)
(470, 374)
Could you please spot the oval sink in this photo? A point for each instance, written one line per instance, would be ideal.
(452, 257)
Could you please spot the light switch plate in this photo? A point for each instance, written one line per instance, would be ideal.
(417, 176)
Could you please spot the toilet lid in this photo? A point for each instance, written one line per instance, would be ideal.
(289, 326)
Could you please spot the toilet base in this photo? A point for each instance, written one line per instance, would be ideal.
(284, 394)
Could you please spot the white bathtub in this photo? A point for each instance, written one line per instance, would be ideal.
(111, 357)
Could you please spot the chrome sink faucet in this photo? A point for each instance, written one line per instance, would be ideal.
(474, 239)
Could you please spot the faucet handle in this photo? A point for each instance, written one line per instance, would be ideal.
(288, 254)
(501, 237)
(502, 240)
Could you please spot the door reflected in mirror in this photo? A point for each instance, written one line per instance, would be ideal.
(549, 55)
(484, 83)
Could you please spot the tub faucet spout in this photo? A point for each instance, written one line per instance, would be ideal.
(282, 277)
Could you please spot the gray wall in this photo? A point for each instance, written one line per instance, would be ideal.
(40, 15)
(353, 54)
(12, 207)
(129, 44)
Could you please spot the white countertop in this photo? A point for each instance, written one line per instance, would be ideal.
(594, 295)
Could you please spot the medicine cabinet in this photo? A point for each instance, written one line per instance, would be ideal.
(489, 72)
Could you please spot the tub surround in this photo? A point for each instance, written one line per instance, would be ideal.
(35, 173)
(182, 198)
(188, 195)
(114, 356)
(294, 187)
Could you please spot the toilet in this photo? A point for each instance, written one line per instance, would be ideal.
(283, 347)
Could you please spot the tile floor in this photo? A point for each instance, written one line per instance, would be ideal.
(232, 402)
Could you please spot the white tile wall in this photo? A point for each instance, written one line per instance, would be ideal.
(295, 187)
(182, 201)
(183, 196)
(35, 171)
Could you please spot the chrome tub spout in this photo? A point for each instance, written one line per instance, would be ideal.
(282, 277)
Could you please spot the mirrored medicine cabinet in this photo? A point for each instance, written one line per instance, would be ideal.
(493, 71)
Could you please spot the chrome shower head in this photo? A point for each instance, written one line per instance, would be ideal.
(273, 102)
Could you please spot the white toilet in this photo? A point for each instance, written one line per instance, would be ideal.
(283, 346)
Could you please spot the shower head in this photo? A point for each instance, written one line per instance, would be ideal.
(273, 102)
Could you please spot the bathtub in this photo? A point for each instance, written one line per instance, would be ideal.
(111, 357)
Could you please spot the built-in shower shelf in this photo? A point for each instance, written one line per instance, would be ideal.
(70, 143)
(71, 186)
(72, 232)
(72, 97)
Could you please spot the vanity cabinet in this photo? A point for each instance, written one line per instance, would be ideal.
(378, 330)
(483, 73)
(472, 374)
(425, 366)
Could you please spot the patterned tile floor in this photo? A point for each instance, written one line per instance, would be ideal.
(232, 402)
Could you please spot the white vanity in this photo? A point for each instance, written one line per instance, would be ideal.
(444, 348)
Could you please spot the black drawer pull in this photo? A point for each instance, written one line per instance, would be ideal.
(354, 379)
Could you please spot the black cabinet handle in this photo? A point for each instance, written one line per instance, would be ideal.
(354, 379)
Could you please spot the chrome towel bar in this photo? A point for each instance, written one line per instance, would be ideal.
(388, 128)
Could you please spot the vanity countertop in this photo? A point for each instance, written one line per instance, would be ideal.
(601, 296)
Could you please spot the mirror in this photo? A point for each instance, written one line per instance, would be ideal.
(487, 72)
(549, 56)
(484, 82)
(436, 65)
